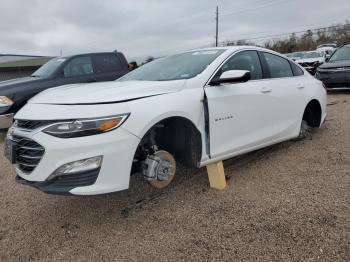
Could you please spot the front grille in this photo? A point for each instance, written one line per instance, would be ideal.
(74, 180)
(28, 153)
(63, 184)
(32, 124)
(338, 85)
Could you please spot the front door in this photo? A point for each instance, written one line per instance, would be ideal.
(241, 115)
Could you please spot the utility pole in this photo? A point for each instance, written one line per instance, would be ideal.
(217, 26)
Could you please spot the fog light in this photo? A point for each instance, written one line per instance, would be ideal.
(80, 166)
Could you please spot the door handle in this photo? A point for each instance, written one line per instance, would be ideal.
(265, 89)
(300, 86)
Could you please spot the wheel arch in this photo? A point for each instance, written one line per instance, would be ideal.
(178, 135)
(313, 113)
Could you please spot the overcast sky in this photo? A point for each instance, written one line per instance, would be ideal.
(142, 28)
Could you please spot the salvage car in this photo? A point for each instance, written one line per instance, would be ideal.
(335, 73)
(295, 56)
(83, 68)
(311, 60)
(194, 108)
(329, 49)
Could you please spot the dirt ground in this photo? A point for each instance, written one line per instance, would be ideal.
(290, 202)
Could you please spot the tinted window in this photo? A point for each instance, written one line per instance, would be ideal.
(297, 71)
(278, 66)
(107, 63)
(245, 60)
(79, 66)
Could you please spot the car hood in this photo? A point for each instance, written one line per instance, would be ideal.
(310, 60)
(345, 63)
(106, 92)
(8, 84)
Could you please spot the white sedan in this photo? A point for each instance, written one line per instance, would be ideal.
(196, 108)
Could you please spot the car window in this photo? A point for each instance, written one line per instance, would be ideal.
(278, 66)
(50, 67)
(297, 71)
(245, 60)
(340, 55)
(79, 66)
(175, 67)
(107, 63)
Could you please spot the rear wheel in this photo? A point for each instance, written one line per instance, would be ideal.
(305, 130)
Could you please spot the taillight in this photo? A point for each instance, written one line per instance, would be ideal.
(324, 86)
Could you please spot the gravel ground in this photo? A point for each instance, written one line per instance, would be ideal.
(289, 202)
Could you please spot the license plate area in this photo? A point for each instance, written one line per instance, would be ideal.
(9, 151)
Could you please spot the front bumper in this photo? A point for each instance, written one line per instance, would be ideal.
(334, 79)
(117, 148)
(6, 121)
(62, 185)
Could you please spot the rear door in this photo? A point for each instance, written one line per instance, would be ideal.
(109, 67)
(287, 82)
(241, 115)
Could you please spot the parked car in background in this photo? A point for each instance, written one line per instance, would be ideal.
(335, 73)
(295, 56)
(311, 60)
(83, 68)
(327, 48)
(196, 108)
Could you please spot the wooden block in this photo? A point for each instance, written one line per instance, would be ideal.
(216, 175)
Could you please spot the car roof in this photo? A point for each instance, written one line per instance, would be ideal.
(234, 48)
(89, 54)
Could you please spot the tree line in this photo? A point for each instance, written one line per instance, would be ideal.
(308, 40)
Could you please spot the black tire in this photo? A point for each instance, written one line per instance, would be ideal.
(305, 130)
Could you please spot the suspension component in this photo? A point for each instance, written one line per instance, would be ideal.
(159, 169)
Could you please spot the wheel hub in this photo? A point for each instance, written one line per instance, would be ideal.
(159, 169)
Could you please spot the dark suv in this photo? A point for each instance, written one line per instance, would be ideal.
(335, 73)
(83, 68)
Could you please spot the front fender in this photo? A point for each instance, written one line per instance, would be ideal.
(147, 112)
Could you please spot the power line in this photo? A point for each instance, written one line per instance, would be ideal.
(199, 15)
(272, 2)
(217, 26)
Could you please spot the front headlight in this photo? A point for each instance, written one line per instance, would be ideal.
(85, 127)
(5, 101)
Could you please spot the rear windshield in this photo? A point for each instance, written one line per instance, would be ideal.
(312, 55)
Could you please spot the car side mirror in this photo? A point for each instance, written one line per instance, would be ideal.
(232, 76)
(61, 74)
(327, 58)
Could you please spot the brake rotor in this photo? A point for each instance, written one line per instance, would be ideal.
(165, 170)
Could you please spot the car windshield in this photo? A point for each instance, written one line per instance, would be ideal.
(296, 55)
(48, 68)
(340, 54)
(180, 66)
(312, 55)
